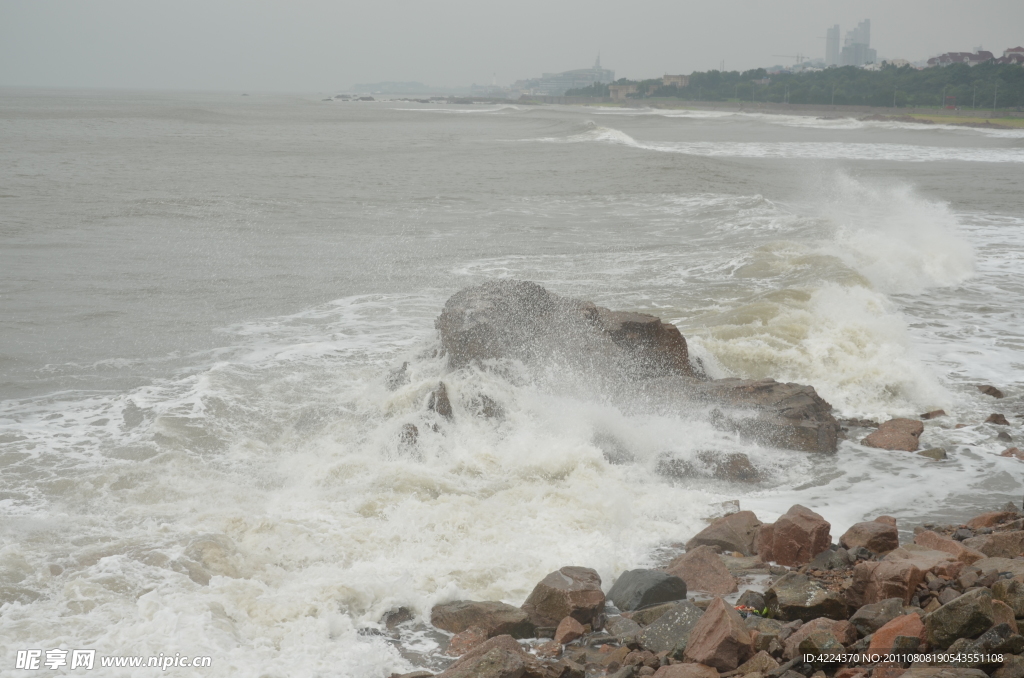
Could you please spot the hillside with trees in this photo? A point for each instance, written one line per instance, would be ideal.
(961, 85)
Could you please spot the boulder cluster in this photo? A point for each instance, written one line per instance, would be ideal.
(951, 590)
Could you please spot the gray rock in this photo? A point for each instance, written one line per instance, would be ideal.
(623, 629)
(1013, 667)
(649, 615)
(797, 596)
(438, 401)
(968, 616)
(1011, 592)
(934, 453)
(671, 632)
(838, 559)
(870, 618)
(641, 588)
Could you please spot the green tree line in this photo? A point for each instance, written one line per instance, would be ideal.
(982, 86)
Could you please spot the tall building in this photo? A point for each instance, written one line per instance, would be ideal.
(832, 46)
(857, 46)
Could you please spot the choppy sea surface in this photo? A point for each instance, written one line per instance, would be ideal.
(201, 296)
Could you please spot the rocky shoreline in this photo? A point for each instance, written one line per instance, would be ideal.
(946, 604)
(868, 605)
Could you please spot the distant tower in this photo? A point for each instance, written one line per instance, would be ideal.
(832, 46)
(597, 64)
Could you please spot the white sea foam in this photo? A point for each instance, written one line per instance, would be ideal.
(809, 150)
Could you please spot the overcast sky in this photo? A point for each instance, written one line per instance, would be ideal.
(322, 46)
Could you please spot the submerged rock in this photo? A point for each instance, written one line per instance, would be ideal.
(896, 434)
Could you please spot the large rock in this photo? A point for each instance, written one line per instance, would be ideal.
(1013, 565)
(797, 596)
(703, 570)
(639, 588)
(499, 657)
(512, 319)
(521, 320)
(492, 617)
(968, 616)
(896, 434)
(998, 544)
(938, 563)
(875, 581)
(1011, 592)
(569, 592)
(908, 625)
(875, 536)
(992, 518)
(792, 416)
(732, 533)
(957, 549)
(842, 633)
(795, 538)
(869, 618)
(720, 639)
(671, 631)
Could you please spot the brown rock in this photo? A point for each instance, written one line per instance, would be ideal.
(997, 419)
(735, 532)
(1003, 614)
(762, 662)
(991, 391)
(570, 591)
(499, 657)
(990, 519)
(896, 434)
(874, 581)
(841, 631)
(568, 630)
(875, 536)
(798, 536)
(686, 671)
(933, 414)
(958, 550)
(851, 672)
(938, 563)
(797, 596)
(890, 671)
(720, 639)
(463, 642)
(998, 544)
(763, 540)
(888, 520)
(909, 625)
(703, 570)
(1012, 452)
(492, 617)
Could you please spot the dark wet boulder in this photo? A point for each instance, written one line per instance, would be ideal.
(640, 588)
(870, 618)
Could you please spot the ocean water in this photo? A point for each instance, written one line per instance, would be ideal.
(202, 296)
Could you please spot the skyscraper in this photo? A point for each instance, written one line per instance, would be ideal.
(857, 46)
(832, 46)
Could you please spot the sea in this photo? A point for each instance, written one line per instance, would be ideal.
(202, 296)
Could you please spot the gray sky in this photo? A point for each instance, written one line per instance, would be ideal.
(318, 45)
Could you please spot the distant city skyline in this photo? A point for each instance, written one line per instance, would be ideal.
(322, 46)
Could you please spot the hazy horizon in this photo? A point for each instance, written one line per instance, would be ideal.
(322, 46)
